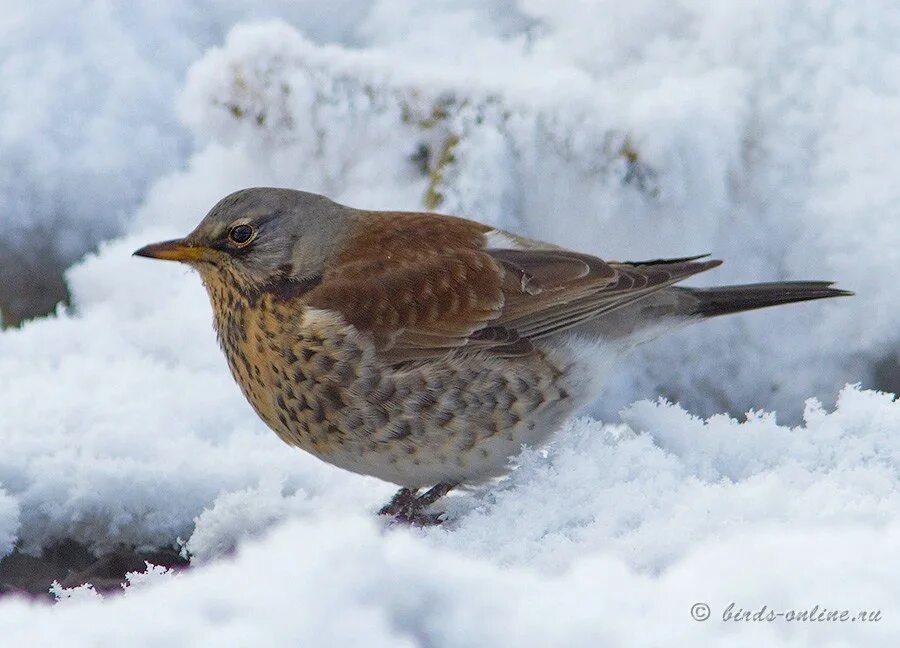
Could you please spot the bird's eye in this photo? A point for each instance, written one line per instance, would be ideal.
(241, 234)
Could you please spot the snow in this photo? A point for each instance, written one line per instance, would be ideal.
(9, 522)
(340, 581)
(761, 132)
(82, 141)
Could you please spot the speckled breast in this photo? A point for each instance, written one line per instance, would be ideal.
(318, 384)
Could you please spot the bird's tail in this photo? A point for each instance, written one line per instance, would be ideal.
(722, 300)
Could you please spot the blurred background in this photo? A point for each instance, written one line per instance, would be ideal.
(763, 134)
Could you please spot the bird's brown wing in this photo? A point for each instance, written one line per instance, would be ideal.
(550, 303)
(419, 306)
(420, 303)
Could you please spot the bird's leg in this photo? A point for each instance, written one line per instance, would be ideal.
(411, 510)
(434, 493)
(399, 502)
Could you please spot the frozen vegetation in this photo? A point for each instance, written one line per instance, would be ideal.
(764, 133)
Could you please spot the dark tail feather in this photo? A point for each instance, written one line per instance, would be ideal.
(734, 299)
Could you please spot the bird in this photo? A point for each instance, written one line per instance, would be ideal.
(427, 349)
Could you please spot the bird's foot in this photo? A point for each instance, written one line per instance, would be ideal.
(407, 508)
(404, 498)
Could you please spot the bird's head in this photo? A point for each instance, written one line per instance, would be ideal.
(255, 236)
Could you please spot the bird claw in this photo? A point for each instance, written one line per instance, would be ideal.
(402, 501)
(418, 518)
(408, 508)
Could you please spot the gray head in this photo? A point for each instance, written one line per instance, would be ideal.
(259, 234)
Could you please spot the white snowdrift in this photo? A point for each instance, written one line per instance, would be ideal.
(764, 133)
(333, 581)
(609, 539)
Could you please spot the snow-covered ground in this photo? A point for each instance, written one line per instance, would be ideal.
(764, 133)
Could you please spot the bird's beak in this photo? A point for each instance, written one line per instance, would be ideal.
(176, 250)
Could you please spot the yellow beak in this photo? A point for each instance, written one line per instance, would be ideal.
(176, 250)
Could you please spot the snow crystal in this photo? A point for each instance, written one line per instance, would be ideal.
(761, 132)
(152, 575)
(68, 595)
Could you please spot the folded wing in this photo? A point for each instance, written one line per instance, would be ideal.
(420, 304)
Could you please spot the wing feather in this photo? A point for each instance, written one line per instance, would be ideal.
(455, 295)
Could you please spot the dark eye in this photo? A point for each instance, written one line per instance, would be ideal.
(240, 234)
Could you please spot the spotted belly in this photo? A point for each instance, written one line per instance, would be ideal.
(320, 386)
